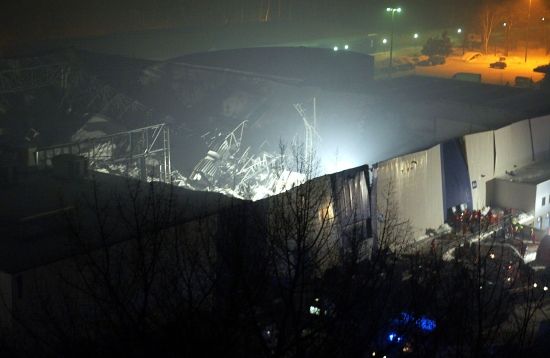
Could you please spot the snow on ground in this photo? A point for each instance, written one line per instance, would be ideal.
(516, 65)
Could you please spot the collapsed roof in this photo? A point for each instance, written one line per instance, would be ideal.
(207, 96)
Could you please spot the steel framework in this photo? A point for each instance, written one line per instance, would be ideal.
(99, 97)
(311, 134)
(142, 153)
(232, 168)
(32, 77)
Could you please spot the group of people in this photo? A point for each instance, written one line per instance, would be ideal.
(473, 221)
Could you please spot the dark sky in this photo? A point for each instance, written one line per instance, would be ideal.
(31, 20)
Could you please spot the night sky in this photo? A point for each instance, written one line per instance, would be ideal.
(31, 25)
(33, 20)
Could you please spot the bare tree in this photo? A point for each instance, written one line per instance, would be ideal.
(490, 13)
(487, 19)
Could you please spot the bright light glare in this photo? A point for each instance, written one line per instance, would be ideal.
(504, 24)
(335, 48)
(338, 165)
(459, 31)
(492, 255)
(388, 9)
(398, 9)
(314, 310)
(535, 285)
(545, 288)
(415, 35)
(346, 47)
(385, 41)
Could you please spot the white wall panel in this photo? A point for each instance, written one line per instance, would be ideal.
(481, 163)
(540, 133)
(416, 187)
(513, 147)
(543, 191)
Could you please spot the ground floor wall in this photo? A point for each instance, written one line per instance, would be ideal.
(480, 149)
(507, 194)
(542, 205)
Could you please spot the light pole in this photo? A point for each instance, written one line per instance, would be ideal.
(507, 25)
(527, 31)
(545, 32)
(392, 10)
(459, 31)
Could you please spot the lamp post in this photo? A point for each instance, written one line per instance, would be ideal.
(392, 10)
(459, 32)
(545, 32)
(507, 25)
(527, 31)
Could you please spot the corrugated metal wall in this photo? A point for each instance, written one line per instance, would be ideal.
(540, 132)
(480, 156)
(513, 147)
(413, 183)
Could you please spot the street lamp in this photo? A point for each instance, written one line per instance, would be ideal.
(460, 32)
(392, 10)
(527, 32)
(507, 27)
(545, 31)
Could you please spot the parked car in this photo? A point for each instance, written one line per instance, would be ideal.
(542, 69)
(498, 65)
(432, 61)
(468, 77)
(424, 63)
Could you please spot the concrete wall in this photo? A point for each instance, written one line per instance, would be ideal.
(540, 133)
(542, 191)
(507, 194)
